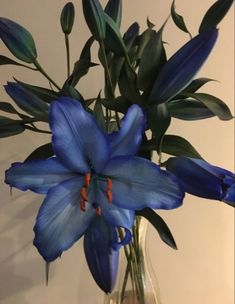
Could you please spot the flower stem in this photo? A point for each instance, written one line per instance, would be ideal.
(42, 71)
(66, 36)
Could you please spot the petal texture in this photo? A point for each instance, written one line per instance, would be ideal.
(139, 183)
(101, 257)
(77, 139)
(60, 222)
(128, 139)
(37, 175)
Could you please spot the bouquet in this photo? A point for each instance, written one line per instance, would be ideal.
(97, 173)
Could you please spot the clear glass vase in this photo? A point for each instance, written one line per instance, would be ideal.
(136, 282)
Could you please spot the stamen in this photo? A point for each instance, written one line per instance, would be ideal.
(83, 206)
(109, 184)
(109, 196)
(83, 193)
(87, 179)
(98, 211)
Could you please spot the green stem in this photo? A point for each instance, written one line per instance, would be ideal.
(67, 53)
(37, 130)
(42, 71)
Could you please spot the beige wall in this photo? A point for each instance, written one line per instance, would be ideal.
(201, 271)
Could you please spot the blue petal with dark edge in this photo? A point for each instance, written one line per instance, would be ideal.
(127, 140)
(26, 100)
(60, 221)
(37, 175)
(139, 183)
(181, 68)
(101, 257)
(77, 140)
(195, 178)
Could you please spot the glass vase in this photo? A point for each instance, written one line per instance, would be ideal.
(136, 282)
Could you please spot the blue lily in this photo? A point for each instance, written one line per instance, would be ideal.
(202, 179)
(92, 174)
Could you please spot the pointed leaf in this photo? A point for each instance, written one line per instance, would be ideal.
(5, 60)
(81, 68)
(150, 24)
(178, 146)
(143, 40)
(67, 18)
(178, 20)
(159, 120)
(180, 69)
(113, 39)
(131, 34)
(10, 127)
(214, 104)
(160, 225)
(42, 152)
(18, 40)
(215, 14)
(114, 10)
(7, 107)
(118, 104)
(94, 15)
(189, 109)
(86, 51)
(99, 114)
(43, 93)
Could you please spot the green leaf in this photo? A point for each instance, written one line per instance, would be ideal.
(18, 40)
(178, 146)
(118, 104)
(160, 225)
(114, 10)
(7, 107)
(113, 39)
(81, 68)
(215, 14)
(67, 18)
(194, 86)
(159, 120)
(94, 15)
(189, 109)
(42, 152)
(143, 40)
(148, 69)
(179, 20)
(99, 114)
(10, 127)
(86, 51)
(43, 93)
(70, 91)
(214, 104)
(150, 24)
(5, 60)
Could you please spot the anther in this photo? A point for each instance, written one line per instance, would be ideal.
(83, 193)
(87, 179)
(98, 211)
(109, 196)
(109, 184)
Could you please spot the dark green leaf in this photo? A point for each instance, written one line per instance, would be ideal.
(215, 14)
(7, 107)
(180, 69)
(113, 39)
(189, 109)
(81, 68)
(150, 24)
(10, 127)
(148, 69)
(143, 40)
(5, 60)
(178, 146)
(178, 20)
(43, 93)
(114, 10)
(86, 51)
(42, 152)
(67, 18)
(118, 104)
(99, 114)
(131, 34)
(70, 91)
(160, 225)
(214, 104)
(18, 40)
(94, 15)
(159, 120)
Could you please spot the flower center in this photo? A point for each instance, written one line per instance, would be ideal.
(84, 193)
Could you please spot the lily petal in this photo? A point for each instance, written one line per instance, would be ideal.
(37, 175)
(101, 257)
(128, 139)
(139, 183)
(60, 221)
(77, 139)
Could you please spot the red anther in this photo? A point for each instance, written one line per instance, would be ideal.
(98, 211)
(87, 179)
(83, 193)
(109, 184)
(109, 196)
(83, 206)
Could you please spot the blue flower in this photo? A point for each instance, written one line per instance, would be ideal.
(92, 175)
(202, 179)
